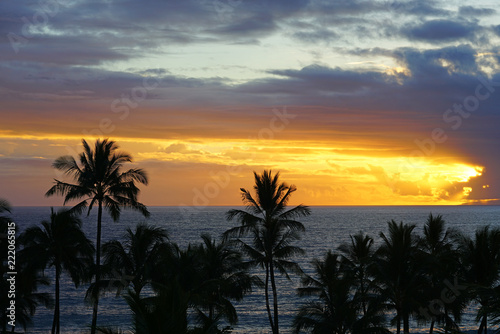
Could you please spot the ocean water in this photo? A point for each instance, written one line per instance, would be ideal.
(326, 228)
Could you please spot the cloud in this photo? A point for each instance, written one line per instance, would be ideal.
(496, 29)
(443, 63)
(73, 65)
(475, 11)
(181, 148)
(316, 36)
(437, 31)
(421, 8)
(254, 26)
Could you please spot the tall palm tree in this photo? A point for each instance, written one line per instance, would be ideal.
(100, 181)
(481, 260)
(59, 243)
(135, 258)
(398, 273)
(272, 228)
(337, 311)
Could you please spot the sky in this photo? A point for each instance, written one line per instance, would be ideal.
(354, 102)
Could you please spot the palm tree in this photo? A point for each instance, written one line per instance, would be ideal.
(28, 298)
(338, 310)
(174, 281)
(59, 243)
(100, 181)
(223, 279)
(4, 207)
(27, 281)
(358, 256)
(272, 229)
(442, 265)
(481, 260)
(397, 272)
(135, 258)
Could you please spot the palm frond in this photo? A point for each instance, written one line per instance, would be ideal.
(4, 206)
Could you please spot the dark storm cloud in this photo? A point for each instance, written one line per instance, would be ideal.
(436, 31)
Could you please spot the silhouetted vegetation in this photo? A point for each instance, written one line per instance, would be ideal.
(358, 287)
(100, 181)
(27, 281)
(272, 229)
(59, 243)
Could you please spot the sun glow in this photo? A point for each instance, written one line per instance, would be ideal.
(327, 173)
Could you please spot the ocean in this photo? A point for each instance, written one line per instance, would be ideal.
(326, 229)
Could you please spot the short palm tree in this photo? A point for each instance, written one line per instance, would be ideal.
(100, 181)
(4, 207)
(441, 263)
(28, 296)
(358, 256)
(27, 280)
(272, 228)
(59, 243)
(338, 309)
(481, 260)
(398, 274)
(135, 257)
(223, 279)
(174, 281)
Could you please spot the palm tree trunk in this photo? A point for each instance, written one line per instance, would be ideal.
(406, 324)
(363, 292)
(97, 268)
(483, 326)
(431, 330)
(268, 307)
(275, 298)
(56, 321)
(4, 321)
(398, 322)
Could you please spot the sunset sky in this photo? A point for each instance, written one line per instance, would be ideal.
(355, 102)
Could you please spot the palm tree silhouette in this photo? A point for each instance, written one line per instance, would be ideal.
(27, 280)
(442, 265)
(4, 207)
(481, 260)
(59, 243)
(223, 279)
(272, 229)
(100, 181)
(358, 256)
(338, 309)
(174, 281)
(135, 257)
(397, 272)
(4, 285)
